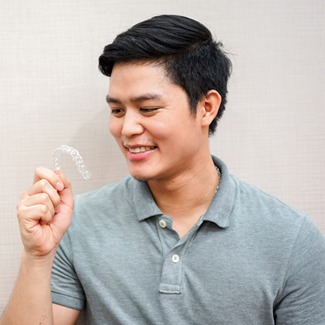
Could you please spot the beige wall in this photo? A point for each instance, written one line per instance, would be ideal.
(272, 134)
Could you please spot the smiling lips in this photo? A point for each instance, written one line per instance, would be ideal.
(139, 153)
(137, 150)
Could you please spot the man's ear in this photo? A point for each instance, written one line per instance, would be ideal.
(209, 106)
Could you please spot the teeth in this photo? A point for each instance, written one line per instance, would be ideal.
(139, 149)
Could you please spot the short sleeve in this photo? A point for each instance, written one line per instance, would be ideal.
(302, 300)
(65, 285)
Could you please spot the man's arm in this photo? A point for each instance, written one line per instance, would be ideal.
(31, 303)
(64, 315)
(44, 213)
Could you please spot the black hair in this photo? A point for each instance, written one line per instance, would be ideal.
(185, 47)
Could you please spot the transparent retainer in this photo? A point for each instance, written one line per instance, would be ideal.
(76, 157)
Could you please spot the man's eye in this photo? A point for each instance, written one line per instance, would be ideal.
(149, 109)
(117, 111)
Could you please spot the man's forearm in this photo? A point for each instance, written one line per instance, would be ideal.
(30, 302)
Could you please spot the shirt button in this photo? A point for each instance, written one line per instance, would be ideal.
(175, 258)
(162, 223)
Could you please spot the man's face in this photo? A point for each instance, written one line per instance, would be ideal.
(152, 123)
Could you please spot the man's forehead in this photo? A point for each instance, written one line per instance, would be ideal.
(139, 82)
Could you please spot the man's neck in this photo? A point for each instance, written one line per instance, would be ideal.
(188, 197)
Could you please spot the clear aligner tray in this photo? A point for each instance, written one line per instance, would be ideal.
(76, 157)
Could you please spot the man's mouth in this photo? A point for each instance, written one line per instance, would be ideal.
(140, 149)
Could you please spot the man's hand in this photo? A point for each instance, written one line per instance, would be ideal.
(44, 212)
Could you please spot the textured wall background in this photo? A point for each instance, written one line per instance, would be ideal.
(51, 93)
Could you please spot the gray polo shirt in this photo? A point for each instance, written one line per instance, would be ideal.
(249, 260)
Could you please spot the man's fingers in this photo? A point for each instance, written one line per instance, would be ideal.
(41, 199)
(40, 192)
(52, 177)
(51, 189)
(66, 194)
(31, 215)
(44, 211)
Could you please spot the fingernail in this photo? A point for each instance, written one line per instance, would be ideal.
(59, 186)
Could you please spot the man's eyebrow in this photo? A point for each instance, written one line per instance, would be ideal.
(137, 99)
(112, 100)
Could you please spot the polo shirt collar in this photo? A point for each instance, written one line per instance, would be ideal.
(223, 202)
(144, 203)
(220, 208)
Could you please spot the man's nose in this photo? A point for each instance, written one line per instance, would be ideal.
(131, 124)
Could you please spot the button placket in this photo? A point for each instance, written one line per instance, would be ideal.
(174, 251)
(171, 277)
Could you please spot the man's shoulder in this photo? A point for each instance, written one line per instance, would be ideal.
(253, 197)
(239, 202)
(267, 213)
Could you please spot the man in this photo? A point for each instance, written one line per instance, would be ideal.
(180, 241)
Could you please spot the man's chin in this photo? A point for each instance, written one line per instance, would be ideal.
(142, 174)
(140, 178)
